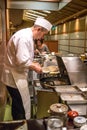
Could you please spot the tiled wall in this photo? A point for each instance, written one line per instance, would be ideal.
(71, 36)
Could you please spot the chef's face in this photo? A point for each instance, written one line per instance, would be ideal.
(40, 32)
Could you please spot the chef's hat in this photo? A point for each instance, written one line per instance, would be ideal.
(43, 23)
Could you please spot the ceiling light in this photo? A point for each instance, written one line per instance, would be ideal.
(46, 11)
(34, 15)
(36, 12)
(27, 16)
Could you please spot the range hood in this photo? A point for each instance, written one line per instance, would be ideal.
(37, 5)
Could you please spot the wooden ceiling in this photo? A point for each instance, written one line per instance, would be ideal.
(72, 10)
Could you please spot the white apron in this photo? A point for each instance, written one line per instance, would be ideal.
(22, 85)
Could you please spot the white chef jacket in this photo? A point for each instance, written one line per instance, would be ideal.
(19, 55)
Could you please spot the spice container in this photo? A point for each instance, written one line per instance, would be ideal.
(79, 121)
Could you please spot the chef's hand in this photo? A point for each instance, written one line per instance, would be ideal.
(36, 67)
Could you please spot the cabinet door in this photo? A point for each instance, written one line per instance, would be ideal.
(52, 45)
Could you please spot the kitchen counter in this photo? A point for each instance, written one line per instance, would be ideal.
(32, 124)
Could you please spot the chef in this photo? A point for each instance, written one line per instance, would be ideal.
(18, 61)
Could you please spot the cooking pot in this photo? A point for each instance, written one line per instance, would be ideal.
(59, 109)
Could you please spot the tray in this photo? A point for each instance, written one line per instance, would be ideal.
(80, 108)
(73, 98)
(67, 89)
(83, 89)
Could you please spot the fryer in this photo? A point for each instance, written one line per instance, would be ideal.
(50, 80)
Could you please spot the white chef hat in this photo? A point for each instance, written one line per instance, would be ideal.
(43, 23)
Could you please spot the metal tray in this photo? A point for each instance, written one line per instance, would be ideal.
(73, 98)
(67, 89)
(80, 108)
(83, 89)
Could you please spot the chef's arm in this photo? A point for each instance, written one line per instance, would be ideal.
(36, 67)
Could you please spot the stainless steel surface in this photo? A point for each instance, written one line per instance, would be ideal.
(74, 68)
(73, 98)
(80, 108)
(67, 89)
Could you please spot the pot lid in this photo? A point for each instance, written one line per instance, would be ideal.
(58, 108)
(80, 120)
(72, 114)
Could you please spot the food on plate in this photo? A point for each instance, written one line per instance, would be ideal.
(51, 69)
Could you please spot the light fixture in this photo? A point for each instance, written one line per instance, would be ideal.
(30, 14)
(46, 11)
(36, 12)
(29, 17)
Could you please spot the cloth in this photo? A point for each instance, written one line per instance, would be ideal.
(22, 85)
(19, 55)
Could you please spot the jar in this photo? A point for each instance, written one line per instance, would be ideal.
(54, 123)
(79, 121)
